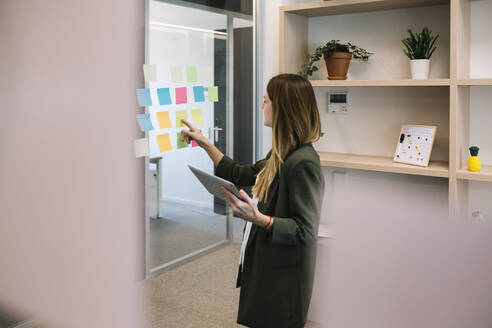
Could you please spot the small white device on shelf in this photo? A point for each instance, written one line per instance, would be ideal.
(415, 144)
(338, 102)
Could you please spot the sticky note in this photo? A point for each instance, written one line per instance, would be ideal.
(145, 122)
(196, 114)
(143, 96)
(163, 119)
(199, 94)
(150, 72)
(181, 115)
(207, 74)
(180, 143)
(191, 75)
(164, 142)
(177, 74)
(194, 143)
(181, 96)
(164, 96)
(213, 94)
(141, 147)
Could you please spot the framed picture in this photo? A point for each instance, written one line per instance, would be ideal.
(415, 144)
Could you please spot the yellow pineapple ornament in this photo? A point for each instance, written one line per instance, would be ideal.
(474, 163)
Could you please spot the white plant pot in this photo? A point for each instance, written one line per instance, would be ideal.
(420, 69)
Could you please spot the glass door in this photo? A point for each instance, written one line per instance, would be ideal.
(192, 50)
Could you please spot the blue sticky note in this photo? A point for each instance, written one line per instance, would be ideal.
(145, 122)
(164, 96)
(143, 96)
(199, 94)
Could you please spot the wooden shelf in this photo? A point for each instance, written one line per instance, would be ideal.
(485, 174)
(473, 82)
(382, 164)
(336, 7)
(380, 83)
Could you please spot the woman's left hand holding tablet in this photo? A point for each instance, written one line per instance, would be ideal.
(247, 210)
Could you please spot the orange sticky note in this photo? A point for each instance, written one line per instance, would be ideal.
(163, 119)
(164, 142)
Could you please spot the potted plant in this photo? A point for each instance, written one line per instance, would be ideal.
(419, 48)
(337, 57)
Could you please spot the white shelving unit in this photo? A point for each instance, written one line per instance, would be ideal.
(379, 25)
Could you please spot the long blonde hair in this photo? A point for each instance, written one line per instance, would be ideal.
(295, 121)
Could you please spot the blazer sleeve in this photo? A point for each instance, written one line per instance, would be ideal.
(305, 188)
(240, 175)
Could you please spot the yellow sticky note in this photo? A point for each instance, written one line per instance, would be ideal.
(196, 114)
(141, 147)
(213, 94)
(207, 74)
(181, 115)
(177, 74)
(164, 142)
(150, 72)
(163, 119)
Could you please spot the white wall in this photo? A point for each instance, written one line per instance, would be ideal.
(71, 192)
(480, 39)
(267, 56)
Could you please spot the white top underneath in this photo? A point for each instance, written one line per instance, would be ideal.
(245, 239)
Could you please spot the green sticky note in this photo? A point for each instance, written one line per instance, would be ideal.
(191, 75)
(181, 143)
(181, 115)
(213, 94)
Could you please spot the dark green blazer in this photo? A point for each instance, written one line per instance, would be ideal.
(277, 278)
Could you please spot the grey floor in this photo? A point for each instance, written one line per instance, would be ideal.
(200, 293)
(184, 229)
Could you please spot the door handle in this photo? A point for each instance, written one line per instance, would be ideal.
(216, 131)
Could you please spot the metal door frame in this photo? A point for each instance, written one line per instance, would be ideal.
(149, 272)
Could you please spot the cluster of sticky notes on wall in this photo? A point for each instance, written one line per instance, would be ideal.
(182, 95)
(164, 119)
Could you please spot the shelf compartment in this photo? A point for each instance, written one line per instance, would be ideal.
(474, 82)
(337, 7)
(485, 174)
(382, 164)
(380, 83)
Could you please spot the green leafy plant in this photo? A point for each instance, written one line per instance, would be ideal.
(329, 48)
(420, 45)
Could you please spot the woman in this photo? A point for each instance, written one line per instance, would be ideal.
(279, 246)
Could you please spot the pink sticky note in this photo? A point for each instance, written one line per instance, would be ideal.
(181, 97)
(194, 143)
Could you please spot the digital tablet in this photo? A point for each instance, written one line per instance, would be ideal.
(213, 183)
